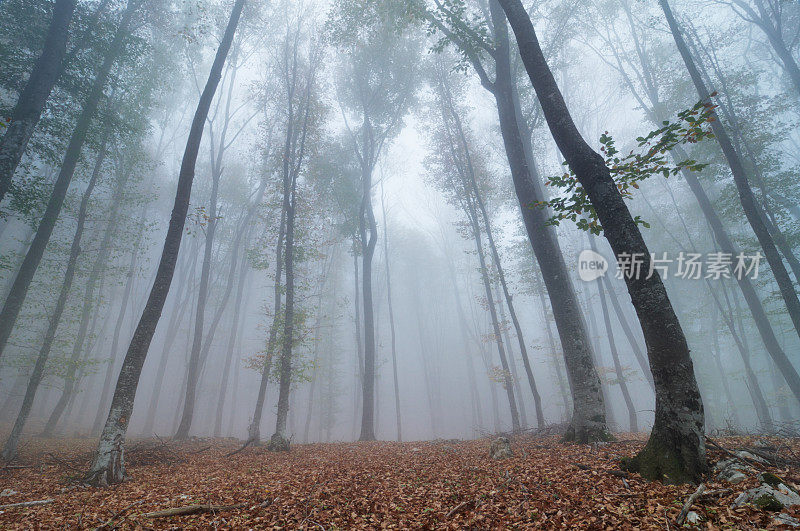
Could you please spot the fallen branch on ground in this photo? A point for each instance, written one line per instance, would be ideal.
(27, 504)
(196, 509)
(201, 450)
(688, 504)
(460, 507)
(250, 441)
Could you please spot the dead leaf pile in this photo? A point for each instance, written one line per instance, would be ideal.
(437, 484)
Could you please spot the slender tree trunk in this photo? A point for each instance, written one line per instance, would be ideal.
(726, 245)
(197, 341)
(33, 97)
(254, 431)
(746, 197)
(367, 221)
(588, 418)
(723, 376)
(123, 308)
(109, 466)
(512, 365)
(237, 308)
(391, 318)
(279, 441)
(507, 382)
(563, 383)
(470, 173)
(10, 448)
(22, 281)
(676, 448)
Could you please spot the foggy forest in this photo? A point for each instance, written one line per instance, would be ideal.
(399, 264)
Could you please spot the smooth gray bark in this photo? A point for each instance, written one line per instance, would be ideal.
(108, 466)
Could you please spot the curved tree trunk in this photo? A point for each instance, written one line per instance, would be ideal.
(588, 417)
(676, 449)
(108, 465)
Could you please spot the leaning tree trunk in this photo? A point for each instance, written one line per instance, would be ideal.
(22, 281)
(507, 376)
(675, 451)
(123, 308)
(33, 97)
(746, 197)
(108, 466)
(473, 185)
(588, 417)
(10, 448)
(722, 238)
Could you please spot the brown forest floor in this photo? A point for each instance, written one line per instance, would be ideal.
(414, 485)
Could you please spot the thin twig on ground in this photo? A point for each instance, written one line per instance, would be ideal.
(688, 504)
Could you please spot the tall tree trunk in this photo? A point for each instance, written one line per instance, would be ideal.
(173, 327)
(473, 185)
(563, 383)
(237, 308)
(512, 365)
(254, 431)
(123, 308)
(22, 281)
(279, 441)
(367, 222)
(723, 376)
(676, 448)
(588, 417)
(507, 382)
(108, 466)
(10, 448)
(726, 245)
(391, 318)
(746, 197)
(33, 97)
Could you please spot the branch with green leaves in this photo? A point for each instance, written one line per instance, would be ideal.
(651, 158)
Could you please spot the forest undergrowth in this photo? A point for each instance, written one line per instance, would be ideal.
(440, 484)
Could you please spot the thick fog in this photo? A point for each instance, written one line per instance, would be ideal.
(320, 101)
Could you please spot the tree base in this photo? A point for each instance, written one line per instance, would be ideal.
(107, 469)
(672, 464)
(587, 433)
(278, 443)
